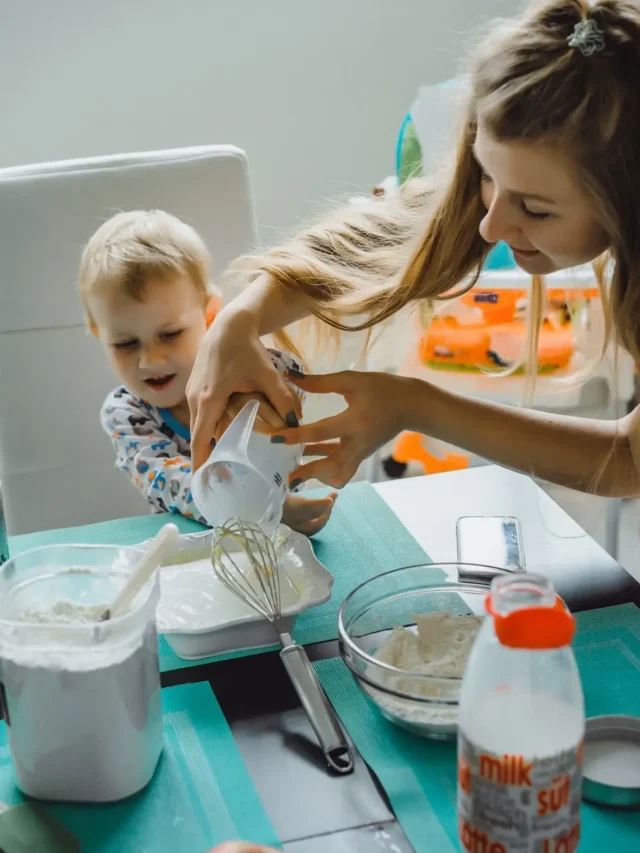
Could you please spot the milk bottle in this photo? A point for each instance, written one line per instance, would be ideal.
(521, 726)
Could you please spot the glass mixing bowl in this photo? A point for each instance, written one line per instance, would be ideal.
(426, 705)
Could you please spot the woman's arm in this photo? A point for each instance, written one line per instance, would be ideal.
(265, 307)
(581, 453)
(590, 455)
(232, 360)
(352, 264)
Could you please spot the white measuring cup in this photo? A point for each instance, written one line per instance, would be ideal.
(246, 476)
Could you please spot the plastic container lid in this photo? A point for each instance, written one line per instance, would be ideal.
(611, 766)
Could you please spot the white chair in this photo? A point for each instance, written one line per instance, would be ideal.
(56, 464)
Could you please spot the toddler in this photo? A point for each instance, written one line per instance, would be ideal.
(144, 282)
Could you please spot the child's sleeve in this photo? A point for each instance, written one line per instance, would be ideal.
(284, 361)
(148, 457)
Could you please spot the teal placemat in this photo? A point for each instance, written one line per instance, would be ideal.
(363, 539)
(420, 777)
(120, 531)
(200, 796)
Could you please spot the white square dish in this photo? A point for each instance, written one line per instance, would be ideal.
(200, 617)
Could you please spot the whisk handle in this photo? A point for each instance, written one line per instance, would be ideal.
(317, 708)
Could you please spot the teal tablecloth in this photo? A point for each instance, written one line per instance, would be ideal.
(201, 794)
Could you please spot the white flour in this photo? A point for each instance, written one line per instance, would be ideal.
(439, 649)
(65, 613)
(85, 720)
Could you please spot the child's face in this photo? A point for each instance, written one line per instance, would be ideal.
(152, 343)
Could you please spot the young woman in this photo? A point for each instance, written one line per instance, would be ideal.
(547, 161)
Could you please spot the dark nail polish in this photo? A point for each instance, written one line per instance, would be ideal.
(297, 374)
(292, 420)
(277, 439)
(295, 483)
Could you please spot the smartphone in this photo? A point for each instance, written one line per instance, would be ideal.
(493, 543)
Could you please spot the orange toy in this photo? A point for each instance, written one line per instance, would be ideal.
(496, 336)
(497, 306)
(409, 448)
(494, 339)
(447, 344)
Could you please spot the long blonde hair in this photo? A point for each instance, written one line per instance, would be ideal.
(526, 83)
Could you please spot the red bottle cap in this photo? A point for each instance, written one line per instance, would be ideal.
(534, 627)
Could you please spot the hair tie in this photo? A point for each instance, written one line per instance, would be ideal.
(587, 37)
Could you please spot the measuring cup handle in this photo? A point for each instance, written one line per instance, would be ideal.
(317, 708)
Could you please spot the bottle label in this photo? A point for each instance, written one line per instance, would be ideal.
(510, 804)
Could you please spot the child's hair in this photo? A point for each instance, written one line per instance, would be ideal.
(133, 247)
(527, 82)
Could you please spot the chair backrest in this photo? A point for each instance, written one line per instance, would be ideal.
(56, 464)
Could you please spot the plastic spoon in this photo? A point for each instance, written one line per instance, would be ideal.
(159, 547)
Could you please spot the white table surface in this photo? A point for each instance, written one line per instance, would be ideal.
(554, 544)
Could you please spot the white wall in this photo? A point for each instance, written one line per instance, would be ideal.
(315, 92)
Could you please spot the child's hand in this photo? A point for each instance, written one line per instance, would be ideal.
(307, 515)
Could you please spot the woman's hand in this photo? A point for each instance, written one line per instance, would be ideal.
(307, 515)
(231, 360)
(378, 408)
(267, 421)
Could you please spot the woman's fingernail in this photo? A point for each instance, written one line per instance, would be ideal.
(277, 439)
(292, 420)
(297, 374)
(295, 483)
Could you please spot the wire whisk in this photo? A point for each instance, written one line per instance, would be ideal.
(259, 586)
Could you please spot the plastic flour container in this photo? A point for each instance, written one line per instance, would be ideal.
(81, 698)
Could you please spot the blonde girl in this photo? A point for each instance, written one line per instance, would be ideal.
(548, 160)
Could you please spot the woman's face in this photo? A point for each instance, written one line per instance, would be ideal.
(535, 204)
